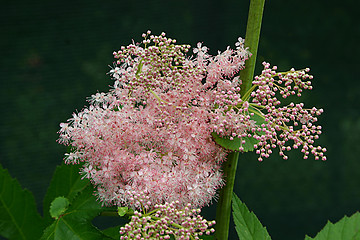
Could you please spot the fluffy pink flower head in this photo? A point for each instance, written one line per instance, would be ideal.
(151, 133)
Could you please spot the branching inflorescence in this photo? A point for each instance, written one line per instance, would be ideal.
(284, 123)
(151, 134)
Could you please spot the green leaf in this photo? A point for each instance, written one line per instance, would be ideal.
(75, 223)
(207, 237)
(348, 228)
(19, 218)
(58, 207)
(357, 235)
(66, 182)
(122, 211)
(247, 225)
(235, 144)
(113, 232)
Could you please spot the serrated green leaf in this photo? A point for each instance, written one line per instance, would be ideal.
(19, 218)
(247, 225)
(348, 228)
(65, 182)
(75, 223)
(58, 207)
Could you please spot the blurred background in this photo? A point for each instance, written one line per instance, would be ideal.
(54, 54)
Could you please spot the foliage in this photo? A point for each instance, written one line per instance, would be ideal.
(247, 225)
(19, 218)
(58, 207)
(345, 229)
(74, 223)
(66, 217)
(66, 182)
(234, 144)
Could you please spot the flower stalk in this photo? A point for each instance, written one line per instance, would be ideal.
(252, 41)
(246, 75)
(223, 210)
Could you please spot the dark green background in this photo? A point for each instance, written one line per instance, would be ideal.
(55, 54)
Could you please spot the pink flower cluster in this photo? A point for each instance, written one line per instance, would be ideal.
(167, 220)
(151, 133)
(287, 123)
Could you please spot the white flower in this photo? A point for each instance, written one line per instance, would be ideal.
(115, 72)
(200, 48)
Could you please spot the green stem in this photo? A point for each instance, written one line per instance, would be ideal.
(223, 211)
(252, 41)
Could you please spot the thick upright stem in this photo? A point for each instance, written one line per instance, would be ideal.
(223, 211)
(252, 41)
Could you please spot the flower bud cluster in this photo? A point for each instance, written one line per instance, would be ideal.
(158, 66)
(260, 115)
(166, 220)
(287, 127)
